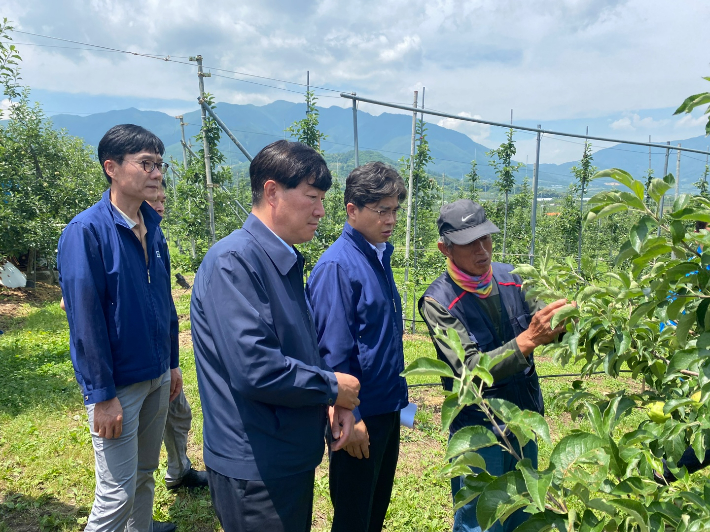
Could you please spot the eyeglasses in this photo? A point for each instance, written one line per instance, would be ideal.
(384, 214)
(149, 166)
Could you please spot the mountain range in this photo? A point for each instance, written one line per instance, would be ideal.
(388, 134)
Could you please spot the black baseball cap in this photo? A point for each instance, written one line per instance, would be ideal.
(464, 221)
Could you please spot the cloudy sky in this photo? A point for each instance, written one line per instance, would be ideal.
(617, 66)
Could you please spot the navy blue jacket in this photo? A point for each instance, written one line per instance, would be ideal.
(521, 389)
(358, 315)
(263, 386)
(123, 327)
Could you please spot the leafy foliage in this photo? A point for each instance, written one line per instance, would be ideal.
(648, 316)
(694, 101)
(46, 176)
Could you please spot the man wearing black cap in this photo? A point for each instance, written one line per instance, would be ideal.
(484, 303)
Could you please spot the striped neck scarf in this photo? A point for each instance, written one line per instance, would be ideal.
(479, 285)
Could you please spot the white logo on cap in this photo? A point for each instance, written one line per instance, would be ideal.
(464, 218)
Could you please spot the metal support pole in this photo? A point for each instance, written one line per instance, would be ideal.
(208, 166)
(533, 216)
(224, 127)
(416, 217)
(409, 199)
(184, 143)
(665, 173)
(581, 212)
(357, 150)
(677, 174)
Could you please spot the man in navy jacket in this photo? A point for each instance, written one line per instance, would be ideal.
(358, 315)
(114, 273)
(265, 391)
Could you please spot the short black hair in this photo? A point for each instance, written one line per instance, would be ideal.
(699, 226)
(371, 182)
(126, 139)
(288, 163)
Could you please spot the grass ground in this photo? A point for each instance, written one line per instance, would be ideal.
(46, 457)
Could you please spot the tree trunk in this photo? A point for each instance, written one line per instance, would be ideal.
(31, 268)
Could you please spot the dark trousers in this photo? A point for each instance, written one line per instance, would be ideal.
(361, 489)
(275, 505)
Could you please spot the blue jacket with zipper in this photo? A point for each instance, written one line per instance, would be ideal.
(123, 327)
(358, 316)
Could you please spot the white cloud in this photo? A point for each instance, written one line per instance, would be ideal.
(634, 122)
(476, 132)
(546, 59)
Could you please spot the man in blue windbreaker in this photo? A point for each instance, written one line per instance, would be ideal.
(484, 303)
(266, 393)
(358, 315)
(114, 271)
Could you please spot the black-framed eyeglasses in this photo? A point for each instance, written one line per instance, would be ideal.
(149, 166)
(384, 214)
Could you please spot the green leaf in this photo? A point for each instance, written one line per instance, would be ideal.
(677, 231)
(543, 522)
(499, 496)
(658, 188)
(625, 252)
(642, 310)
(473, 486)
(674, 404)
(685, 322)
(680, 360)
(610, 209)
(537, 482)
(449, 410)
(571, 449)
(590, 523)
(635, 510)
(470, 439)
(617, 175)
(567, 311)
(455, 344)
(640, 231)
(675, 307)
(535, 422)
(428, 366)
(681, 202)
(526, 271)
(589, 292)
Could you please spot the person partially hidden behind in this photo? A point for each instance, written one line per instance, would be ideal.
(114, 272)
(484, 303)
(180, 473)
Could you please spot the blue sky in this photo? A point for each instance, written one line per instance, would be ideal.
(617, 66)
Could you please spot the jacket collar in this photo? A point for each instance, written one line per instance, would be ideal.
(282, 258)
(151, 218)
(355, 236)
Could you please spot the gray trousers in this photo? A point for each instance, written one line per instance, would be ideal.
(124, 466)
(176, 428)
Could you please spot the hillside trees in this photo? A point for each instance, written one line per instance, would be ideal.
(46, 176)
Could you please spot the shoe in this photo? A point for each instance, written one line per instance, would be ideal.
(159, 526)
(191, 480)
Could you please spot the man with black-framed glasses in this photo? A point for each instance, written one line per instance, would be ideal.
(358, 316)
(114, 271)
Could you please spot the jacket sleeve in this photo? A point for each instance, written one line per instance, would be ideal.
(83, 282)
(334, 311)
(435, 315)
(238, 311)
(174, 324)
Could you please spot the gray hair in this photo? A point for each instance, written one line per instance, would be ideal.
(445, 240)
